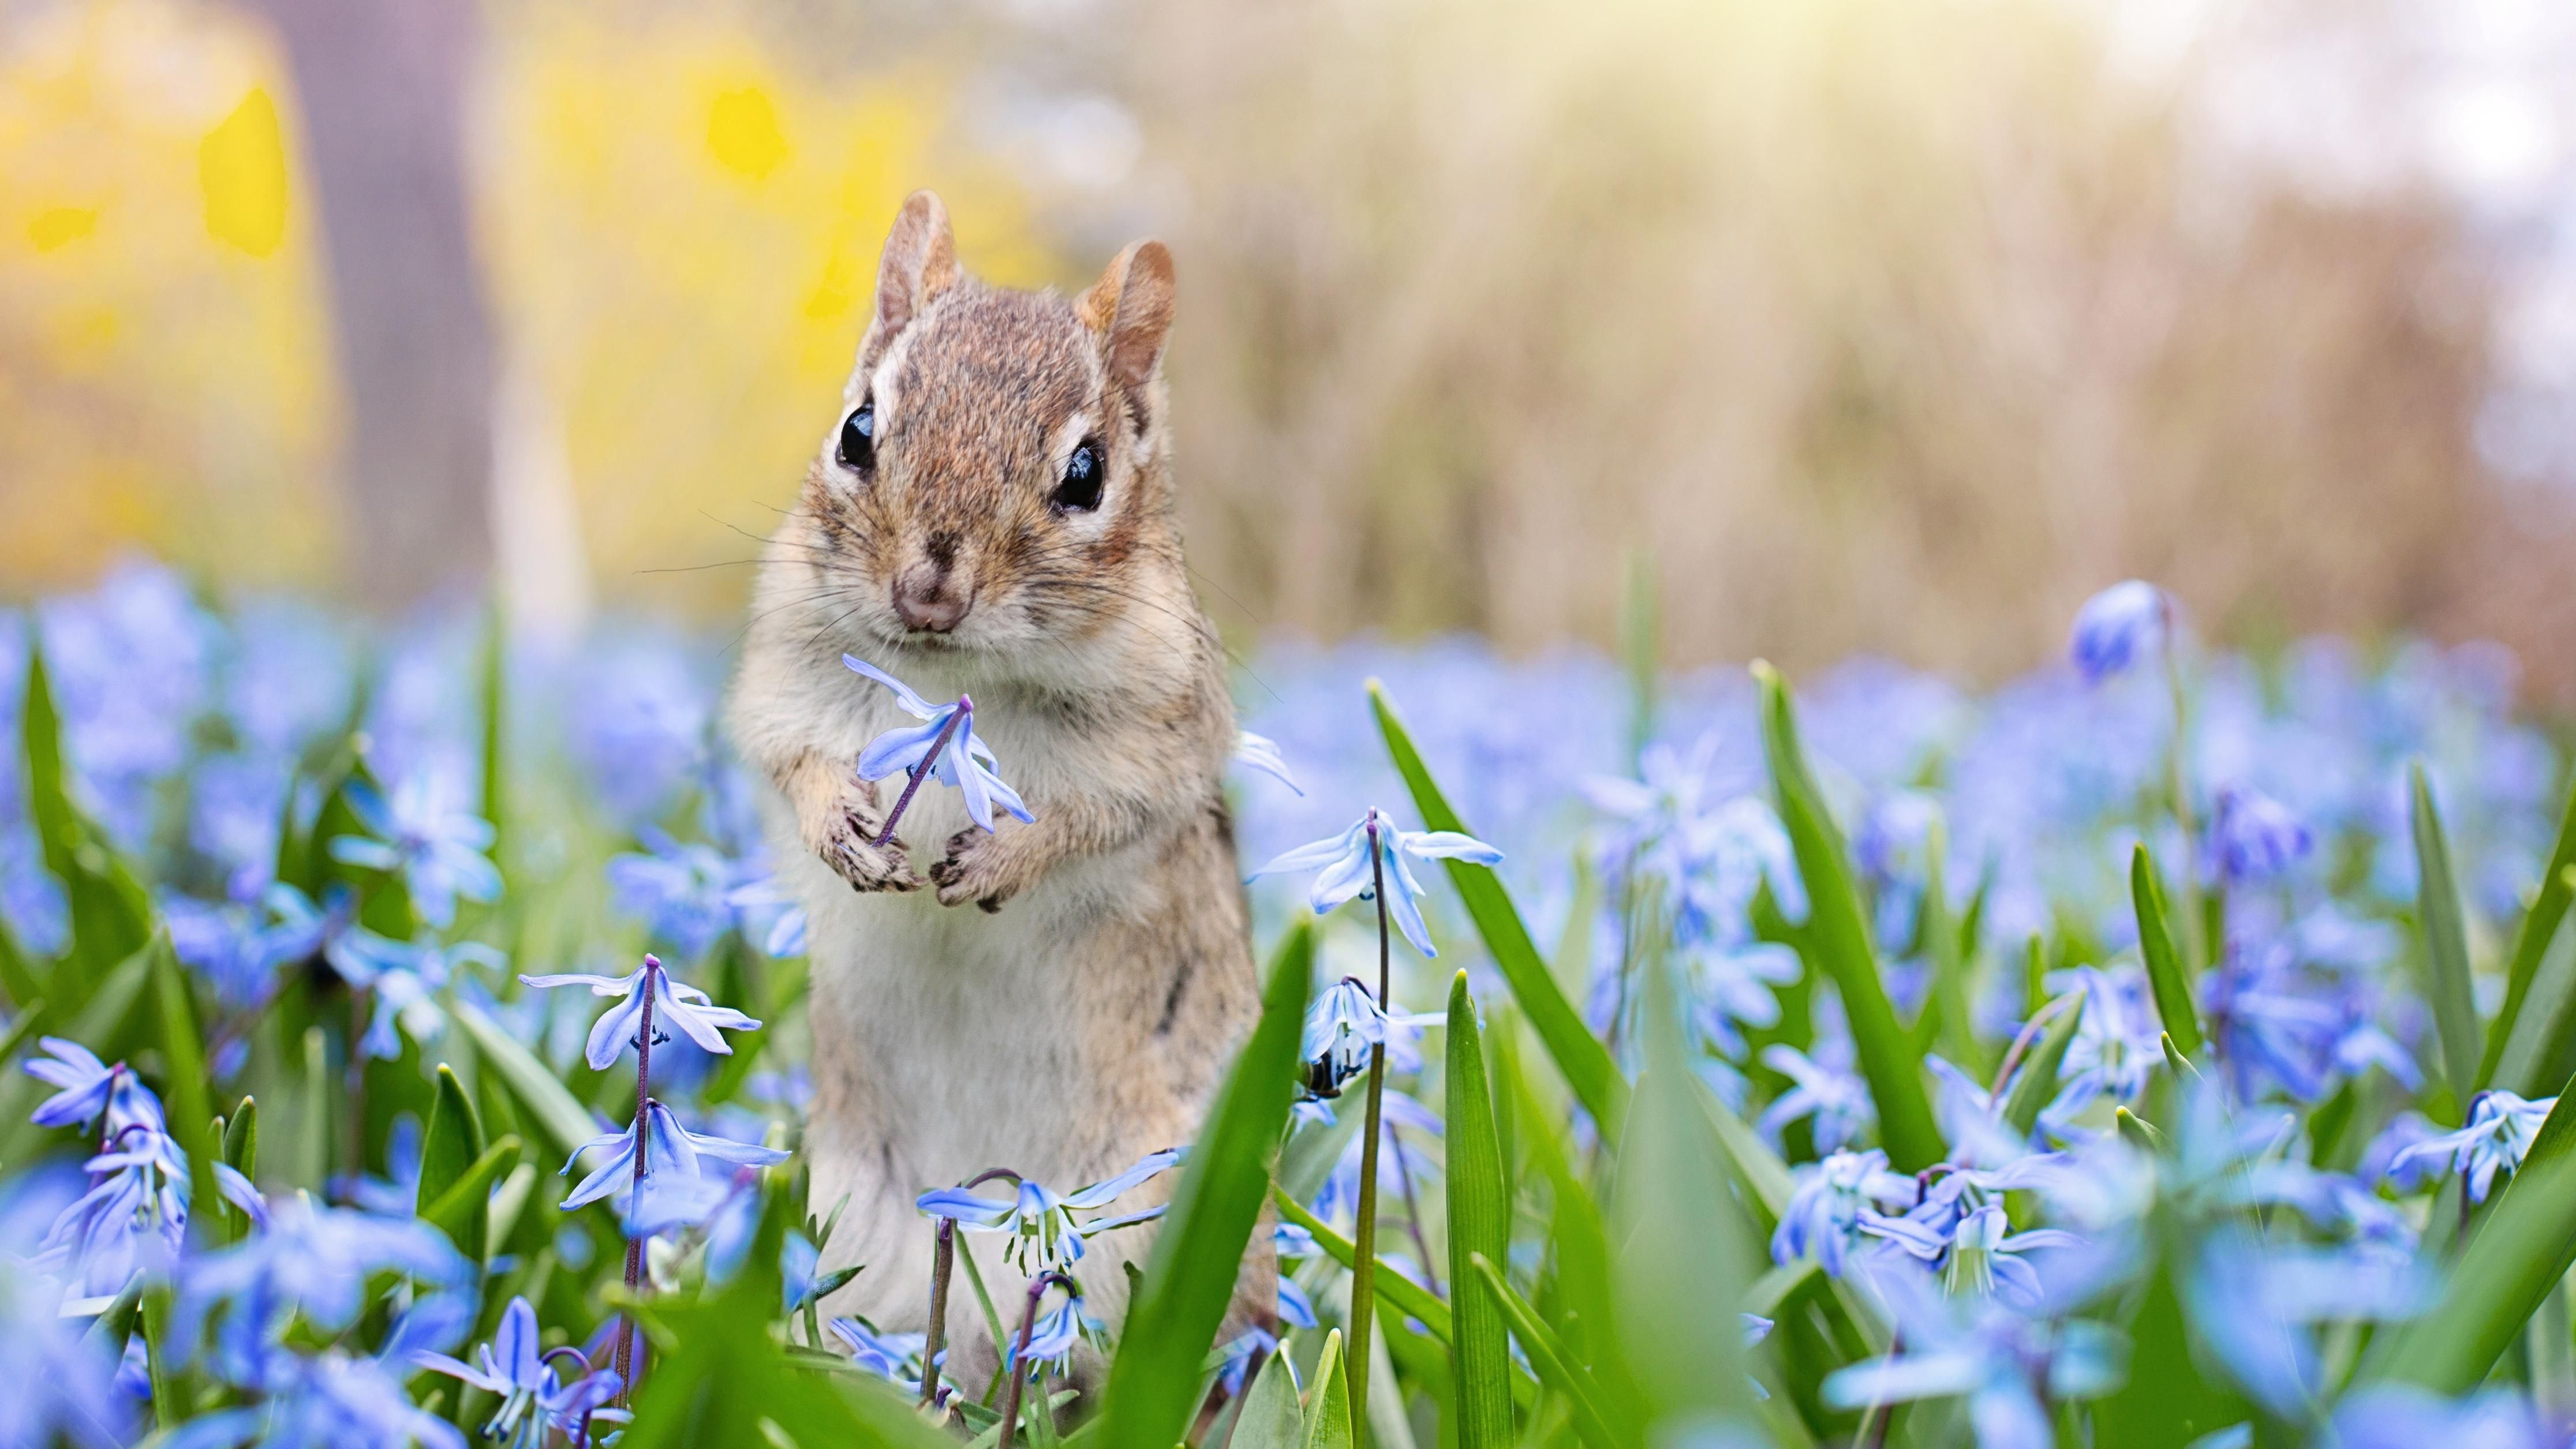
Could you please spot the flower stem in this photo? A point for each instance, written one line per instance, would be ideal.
(942, 1262)
(651, 985)
(965, 709)
(1364, 1257)
(2195, 932)
(1019, 1356)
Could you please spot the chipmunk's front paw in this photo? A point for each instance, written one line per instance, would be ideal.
(849, 847)
(976, 868)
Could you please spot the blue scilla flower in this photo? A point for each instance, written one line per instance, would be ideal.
(1338, 1199)
(64, 1389)
(2007, 1366)
(2254, 838)
(769, 914)
(2116, 1047)
(1260, 752)
(2500, 1131)
(404, 979)
(1730, 984)
(327, 1401)
(1978, 1253)
(1342, 1024)
(2402, 1416)
(1828, 1091)
(1045, 1234)
(2118, 625)
(681, 890)
(669, 1150)
(978, 779)
(312, 1262)
(2256, 1304)
(421, 833)
(1344, 871)
(1053, 1335)
(129, 663)
(1823, 1215)
(534, 1397)
(87, 1088)
(895, 1357)
(238, 945)
(675, 1004)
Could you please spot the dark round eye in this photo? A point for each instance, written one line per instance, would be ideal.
(1083, 475)
(859, 438)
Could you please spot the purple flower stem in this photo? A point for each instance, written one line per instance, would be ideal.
(1364, 1259)
(1020, 1355)
(943, 1261)
(921, 772)
(650, 985)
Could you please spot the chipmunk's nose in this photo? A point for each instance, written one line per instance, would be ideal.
(930, 597)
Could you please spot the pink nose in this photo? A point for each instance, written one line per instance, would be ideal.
(929, 600)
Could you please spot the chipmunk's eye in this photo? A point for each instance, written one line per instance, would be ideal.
(859, 438)
(1083, 475)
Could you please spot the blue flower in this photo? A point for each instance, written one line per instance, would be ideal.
(62, 1386)
(534, 1397)
(675, 1003)
(1341, 1026)
(2402, 1416)
(2254, 1303)
(670, 1150)
(905, 749)
(1980, 1246)
(2116, 1047)
(312, 1262)
(325, 1402)
(1052, 1337)
(894, 1356)
(419, 834)
(762, 898)
(1344, 871)
(2254, 838)
(1834, 1095)
(1260, 752)
(2116, 626)
(1823, 1216)
(1041, 1221)
(1977, 1349)
(88, 1088)
(683, 892)
(2502, 1127)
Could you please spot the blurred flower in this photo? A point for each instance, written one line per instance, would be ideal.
(894, 1356)
(1262, 753)
(1341, 1026)
(311, 1262)
(675, 1003)
(2254, 838)
(64, 1390)
(2501, 1128)
(421, 835)
(1044, 1232)
(761, 898)
(2008, 1367)
(2388, 1159)
(2401, 1416)
(1834, 1095)
(2117, 1044)
(2254, 1302)
(683, 892)
(324, 1402)
(2117, 625)
(905, 749)
(1980, 1249)
(1344, 871)
(1823, 1216)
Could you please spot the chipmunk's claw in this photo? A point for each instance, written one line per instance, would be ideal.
(972, 871)
(850, 849)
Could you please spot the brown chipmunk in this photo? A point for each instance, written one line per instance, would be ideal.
(992, 514)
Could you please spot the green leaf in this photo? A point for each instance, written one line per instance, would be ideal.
(2035, 1085)
(2137, 1131)
(1270, 1418)
(453, 1140)
(1190, 1276)
(1578, 1054)
(18, 977)
(2169, 1398)
(494, 660)
(1778, 1286)
(1479, 1227)
(1755, 1163)
(2166, 976)
(241, 1139)
(1546, 1355)
(101, 1025)
(1679, 1270)
(2531, 939)
(1838, 935)
(111, 917)
(2446, 941)
(463, 1210)
(1328, 1404)
(1400, 1292)
(539, 1090)
(29, 1018)
(184, 1055)
(2525, 1244)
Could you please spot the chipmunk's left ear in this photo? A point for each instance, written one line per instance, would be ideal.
(1130, 307)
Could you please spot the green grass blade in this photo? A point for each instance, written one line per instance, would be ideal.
(241, 1139)
(1189, 1278)
(111, 917)
(463, 1211)
(495, 662)
(2531, 938)
(191, 1112)
(539, 1090)
(1328, 1404)
(30, 1018)
(1479, 1227)
(2517, 1255)
(2036, 1083)
(452, 1142)
(1270, 1418)
(2446, 942)
(19, 976)
(2167, 978)
(1756, 1165)
(1547, 1356)
(103, 1024)
(1578, 1054)
(1838, 933)
(1401, 1293)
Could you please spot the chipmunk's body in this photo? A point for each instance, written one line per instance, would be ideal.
(992, 516)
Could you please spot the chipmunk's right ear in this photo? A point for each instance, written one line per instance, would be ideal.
(920, 262)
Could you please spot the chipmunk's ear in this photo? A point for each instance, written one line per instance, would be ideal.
(920, 262)
(1131, 308)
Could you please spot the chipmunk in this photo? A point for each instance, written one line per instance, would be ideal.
(992, 513)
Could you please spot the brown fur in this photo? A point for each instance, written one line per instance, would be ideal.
(1082, 1016)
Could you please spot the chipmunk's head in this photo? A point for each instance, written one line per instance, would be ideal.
(996, 475)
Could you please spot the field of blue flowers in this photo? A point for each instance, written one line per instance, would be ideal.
(406, 1046)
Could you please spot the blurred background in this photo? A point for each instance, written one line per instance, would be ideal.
(1894, 326)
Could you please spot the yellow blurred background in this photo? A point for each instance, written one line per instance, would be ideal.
(1889, 325)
